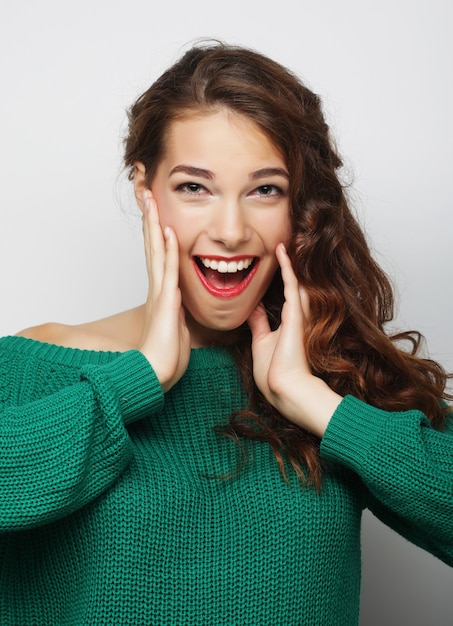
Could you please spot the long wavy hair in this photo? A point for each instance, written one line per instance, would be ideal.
(351, 298)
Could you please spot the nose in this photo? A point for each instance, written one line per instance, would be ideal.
(229, 225)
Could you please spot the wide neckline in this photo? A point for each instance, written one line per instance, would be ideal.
(71, 356)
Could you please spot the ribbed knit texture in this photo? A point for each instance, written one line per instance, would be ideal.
(113, 512)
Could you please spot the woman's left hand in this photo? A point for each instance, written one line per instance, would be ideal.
(280, 366)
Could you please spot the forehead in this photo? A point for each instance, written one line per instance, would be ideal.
(211, 132)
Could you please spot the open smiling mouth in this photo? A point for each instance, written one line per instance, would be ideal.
(226, 278)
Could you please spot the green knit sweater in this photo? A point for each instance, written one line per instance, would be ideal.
(113, 512)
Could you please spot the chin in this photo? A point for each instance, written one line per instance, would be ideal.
(208, 331)
(223, 326)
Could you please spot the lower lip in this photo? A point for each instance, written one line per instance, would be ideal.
(231, 292)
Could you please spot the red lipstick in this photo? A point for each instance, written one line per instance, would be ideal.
(227, 292)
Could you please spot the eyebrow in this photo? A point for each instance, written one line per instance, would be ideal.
(193, 171)
(269, 171)
(203, 173)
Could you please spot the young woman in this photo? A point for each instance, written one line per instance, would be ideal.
(205, 458)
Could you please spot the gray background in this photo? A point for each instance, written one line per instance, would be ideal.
(70, 238)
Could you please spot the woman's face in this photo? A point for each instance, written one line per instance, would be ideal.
(223, 188)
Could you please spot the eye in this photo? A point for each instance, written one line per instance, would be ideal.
(193, 189)
(267, 191)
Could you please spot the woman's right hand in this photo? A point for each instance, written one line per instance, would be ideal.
(165, 340)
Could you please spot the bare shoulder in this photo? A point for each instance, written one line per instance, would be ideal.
(115, 333)
(50, 332)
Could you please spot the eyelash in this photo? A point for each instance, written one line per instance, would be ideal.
(185, 188)
(277, 191)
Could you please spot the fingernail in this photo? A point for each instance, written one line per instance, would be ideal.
(146, 199)
(166, 232)
(283, 247)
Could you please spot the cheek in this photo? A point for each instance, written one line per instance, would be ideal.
(168, 215)
(286, 230)
(162, 205)
(278, 230)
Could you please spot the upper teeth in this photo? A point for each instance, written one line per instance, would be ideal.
(225, 267)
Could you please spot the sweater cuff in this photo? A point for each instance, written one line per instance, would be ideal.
(135, 384)
(352, 431)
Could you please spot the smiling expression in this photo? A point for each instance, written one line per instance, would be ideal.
(223, 188)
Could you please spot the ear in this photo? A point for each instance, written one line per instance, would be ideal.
(139, 182)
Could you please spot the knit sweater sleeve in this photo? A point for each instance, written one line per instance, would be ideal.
(62, 450)
(406, 465)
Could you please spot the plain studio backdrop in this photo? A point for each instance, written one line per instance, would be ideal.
(70, 236)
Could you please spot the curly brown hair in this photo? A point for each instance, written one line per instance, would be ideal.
(351, 298)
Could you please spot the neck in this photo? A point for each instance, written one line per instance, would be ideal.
(201, 337)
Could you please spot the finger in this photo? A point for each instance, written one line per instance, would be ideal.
(258, 322)
(305, 302)
(154, 241)
(290, 281)
(171, 271)
(293, 304)
(295, 309)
